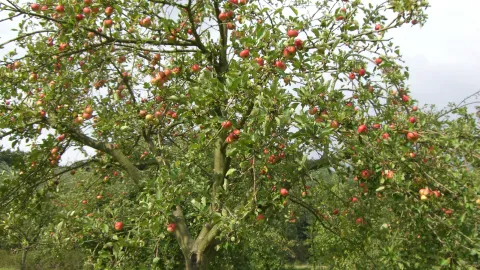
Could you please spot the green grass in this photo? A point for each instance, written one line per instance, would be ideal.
(9, 261)
(70, 260)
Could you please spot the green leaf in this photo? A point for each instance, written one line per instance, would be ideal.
(105, 228)
(230, 171)
(59, 226)
(294, 10)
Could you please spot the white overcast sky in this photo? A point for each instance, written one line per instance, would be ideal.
(443, 55)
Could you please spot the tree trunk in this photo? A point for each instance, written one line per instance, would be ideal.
(23, 263)
(197, 261)
(197, 252)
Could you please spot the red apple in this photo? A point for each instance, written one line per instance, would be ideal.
(260, 61)
(175, 71)
(412, 136)
(171, 227)
(292, 33)
(229, 139)
(146, 22)
(260, 217)
(351, 76)
(424, 191)
(108, 23)
(385, 136)
(60, 9)
(35, 7)
(79, 17)
(33, 77)
(230, 14)
(279, 64)
(223, 16)
(86, 116)
(226, 124)
(365, 174)
(334, 124)
(378, 27)
(283, 192)
(109, 11)
(298, 43)
(88, 109)
(61, 138)
(196, 68)
(362, 129)
(291, 50)
(245, 53)
(118, 226)
(361, 72)
(378, 61)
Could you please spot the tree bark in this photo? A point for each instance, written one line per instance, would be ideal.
(197, 261)
(197, 252)
(23, 263)
(219, 170)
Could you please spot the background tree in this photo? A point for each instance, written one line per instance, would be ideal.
(208, 111)
(25, 219)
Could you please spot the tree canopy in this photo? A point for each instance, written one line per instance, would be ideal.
(214, 115)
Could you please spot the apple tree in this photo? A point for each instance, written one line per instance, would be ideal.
(214, 113)
(24, 222)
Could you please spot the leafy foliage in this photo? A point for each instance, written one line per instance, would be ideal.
(207, 116)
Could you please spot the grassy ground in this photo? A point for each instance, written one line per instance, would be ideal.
(70, 260)
(9, 261)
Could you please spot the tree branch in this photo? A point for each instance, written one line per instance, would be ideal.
(181, 233)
